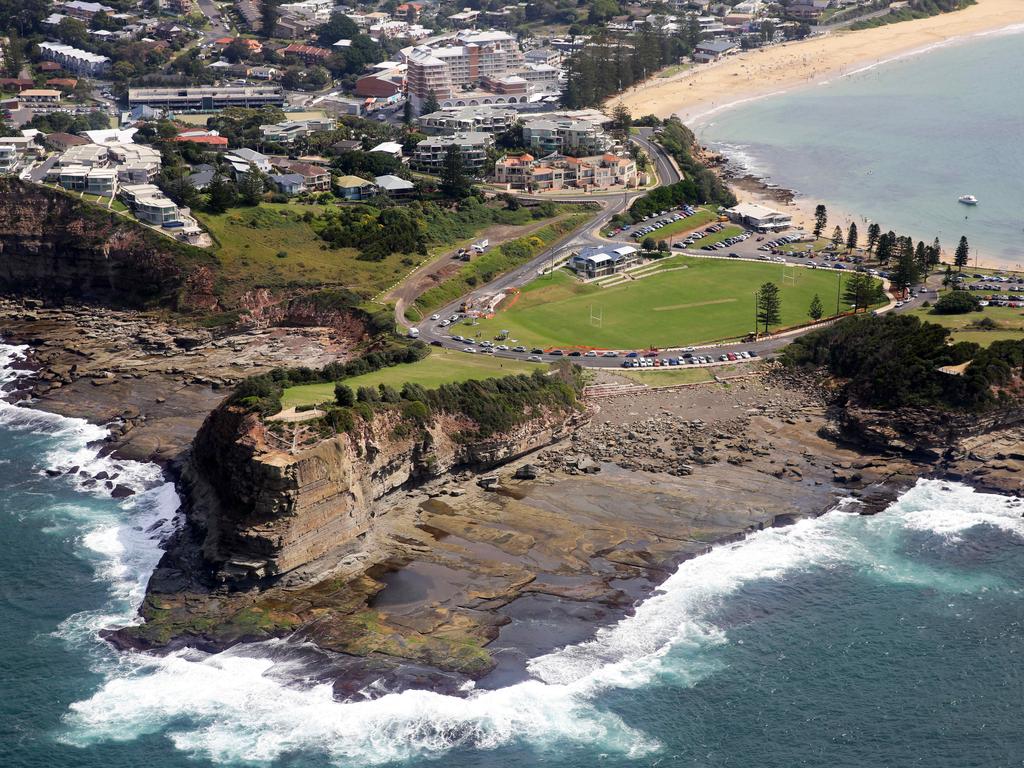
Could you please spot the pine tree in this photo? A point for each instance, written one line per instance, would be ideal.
(454, 182)
(963, 252)
(905, 274)
(816, 310)
(622, 120)
(407, 112)
(820, 219)
(921, 257)
(221, 194)
(886, 246)
(851, 237)
(874, 231)
(769, 305)
(935, 254)
(837, 238)
(250, 186)
(430, 104)
(861, 291)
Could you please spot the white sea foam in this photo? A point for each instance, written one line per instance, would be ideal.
(240, 706)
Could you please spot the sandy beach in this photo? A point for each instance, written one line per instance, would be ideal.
(754, 74)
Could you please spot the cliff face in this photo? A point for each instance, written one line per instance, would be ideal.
(55, 246)
(262, 511)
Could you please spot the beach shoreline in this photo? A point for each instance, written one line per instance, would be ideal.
(696, 93)
(714, 88)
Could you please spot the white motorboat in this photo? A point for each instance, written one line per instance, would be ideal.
(968, 199)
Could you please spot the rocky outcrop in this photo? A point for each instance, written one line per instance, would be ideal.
(60, 248)
(263, 510)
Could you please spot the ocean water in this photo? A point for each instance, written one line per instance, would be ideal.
(899, 141)
(892, 640)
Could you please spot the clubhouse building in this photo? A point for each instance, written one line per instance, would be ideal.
(595, 261)
(759, 217)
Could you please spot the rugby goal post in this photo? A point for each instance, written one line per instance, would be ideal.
(789, 274)
(596, 316)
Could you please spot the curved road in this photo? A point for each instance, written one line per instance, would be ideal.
(587, 234)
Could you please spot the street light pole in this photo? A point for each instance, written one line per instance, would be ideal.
(839, 287)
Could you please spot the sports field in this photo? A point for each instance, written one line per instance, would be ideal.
(685, 300)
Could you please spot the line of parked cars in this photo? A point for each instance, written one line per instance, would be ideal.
(651, 359)
(784, 240)
(668, 217)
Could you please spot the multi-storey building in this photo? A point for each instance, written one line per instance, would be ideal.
(75, 59)
(430, 153)
(445, 71)
(462, 119)
(579, 137)
(560, 172)
(207, 98)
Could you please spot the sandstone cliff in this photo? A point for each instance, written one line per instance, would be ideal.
(265, 510)
(57, 247)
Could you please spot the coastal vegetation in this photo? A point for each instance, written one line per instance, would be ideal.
(913, 9)
(490, 405)
(441, 366)
(894, 361)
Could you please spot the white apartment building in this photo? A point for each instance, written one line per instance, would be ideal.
(579, 137)
(430, 153)
(8, 158)
(290, 130)
(150, 204)
(75, 59)
(462, 119)
(94, 181)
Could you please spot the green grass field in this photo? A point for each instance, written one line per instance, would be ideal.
(709, 300)
(701, 217)
(440, 367)
(1009, 322)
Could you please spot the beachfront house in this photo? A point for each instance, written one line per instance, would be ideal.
(353, 188)
(713, 50)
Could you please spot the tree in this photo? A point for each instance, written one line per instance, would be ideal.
(268, 17)
(905, 274)
(407, 113)
(851, 237)
(769, 305)
(816, 310)
(963, 251)
(820, 219)
(221, 194)
(861, 291)
(648, 244)
(921, 257)
(454, 182)
(837, 238)
(343, 395)
(874, 232)
(622, 120)
(934, 253)
(956, 303)
(250, 186)
(430, 104)
(884, 251)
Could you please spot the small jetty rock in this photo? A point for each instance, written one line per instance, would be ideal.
(121, 491)
(526, 472)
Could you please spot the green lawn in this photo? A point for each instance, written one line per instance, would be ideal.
(1009, 321)
(818, 245)
(717, 237)
(701, 217)
(708, 300)
(442, 366)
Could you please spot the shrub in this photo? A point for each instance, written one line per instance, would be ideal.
(343, 395)
(956, 303)
(367, 395)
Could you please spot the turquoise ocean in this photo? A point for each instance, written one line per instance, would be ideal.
(898, 141)
(848, 640)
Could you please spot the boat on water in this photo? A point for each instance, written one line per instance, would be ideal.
(968, 199)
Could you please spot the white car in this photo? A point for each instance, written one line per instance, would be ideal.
(435, 317)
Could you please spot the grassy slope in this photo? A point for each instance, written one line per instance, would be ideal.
(442, 366)
(701, 217)
(711, 299)
(485, 268)
(663, 377)
(1009, 319)
(717, 237)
